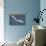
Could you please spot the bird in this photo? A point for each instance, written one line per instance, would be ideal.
(17, 20)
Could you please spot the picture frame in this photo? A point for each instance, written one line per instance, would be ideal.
(17, 19)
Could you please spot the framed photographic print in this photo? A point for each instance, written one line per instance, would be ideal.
(17, 19)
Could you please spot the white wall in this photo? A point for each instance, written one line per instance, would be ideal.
(1, 21)
(43, 6)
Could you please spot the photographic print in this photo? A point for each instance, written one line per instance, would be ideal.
(17, 19)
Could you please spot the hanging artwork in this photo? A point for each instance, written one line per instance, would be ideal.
(17, 19)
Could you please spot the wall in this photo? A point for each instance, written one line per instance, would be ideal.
(28, 7)
(1, 21)
(43, 6)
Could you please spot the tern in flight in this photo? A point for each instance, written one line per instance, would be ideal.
(17, 20)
